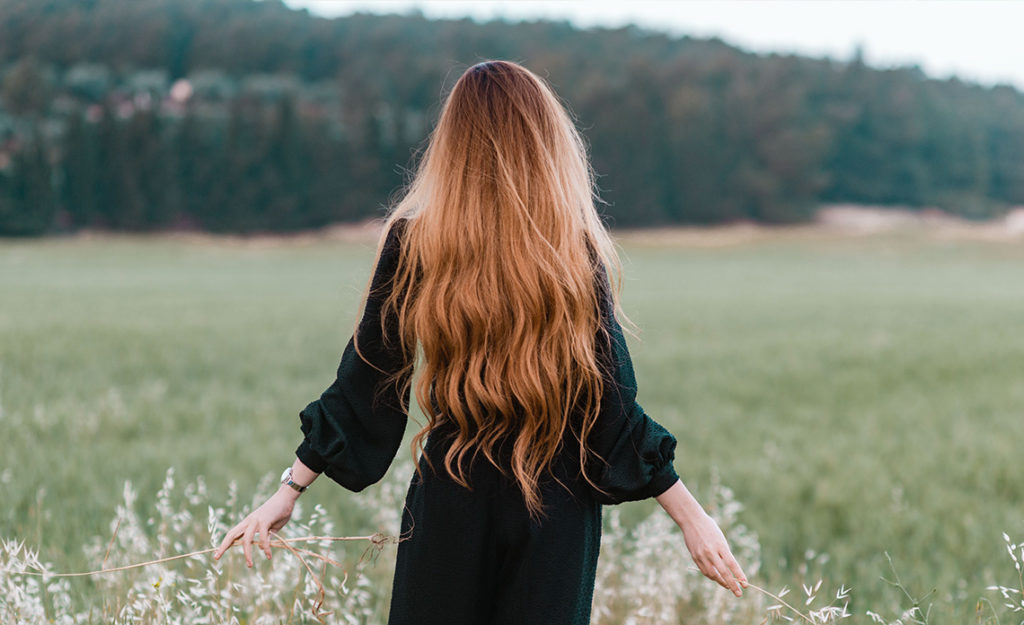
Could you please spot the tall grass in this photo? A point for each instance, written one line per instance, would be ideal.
(861, 396)
(643, 575)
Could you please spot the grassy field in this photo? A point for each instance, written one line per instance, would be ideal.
(858, 394)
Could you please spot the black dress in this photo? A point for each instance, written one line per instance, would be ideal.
(475, 557)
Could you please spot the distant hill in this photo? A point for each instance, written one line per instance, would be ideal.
(234, 115)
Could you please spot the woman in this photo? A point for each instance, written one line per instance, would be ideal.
(492, 280)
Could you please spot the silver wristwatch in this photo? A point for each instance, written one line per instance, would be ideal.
(286, 478)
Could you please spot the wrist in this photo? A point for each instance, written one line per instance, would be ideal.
(691, 513)
(303, 474)
(681, 505)
(289, 482)
(287, 492)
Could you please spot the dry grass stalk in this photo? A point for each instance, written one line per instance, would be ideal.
(377, 542)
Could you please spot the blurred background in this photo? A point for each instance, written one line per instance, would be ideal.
(820, 206)
(241, 116)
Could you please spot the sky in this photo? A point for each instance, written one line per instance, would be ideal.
(977, 40)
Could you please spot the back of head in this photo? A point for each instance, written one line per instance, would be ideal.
(496, 284)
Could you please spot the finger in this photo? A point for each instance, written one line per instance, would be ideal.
(729, 568)
(229, 538)
(714, 575)
(729, 580)
(726, 578)
(706, 568)
(734, 566)
(219, 550)
(265, 539)
(247, 543)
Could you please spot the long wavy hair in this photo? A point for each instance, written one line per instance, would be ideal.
(495, 289)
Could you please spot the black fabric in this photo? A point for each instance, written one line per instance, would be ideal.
(353, 431)
(475, 556)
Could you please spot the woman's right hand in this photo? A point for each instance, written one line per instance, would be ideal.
(710, 552)
(269, 517)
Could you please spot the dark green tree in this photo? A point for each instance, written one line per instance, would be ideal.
(27, 202)
(79, 165)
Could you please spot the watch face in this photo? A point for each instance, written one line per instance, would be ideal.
(287, 473)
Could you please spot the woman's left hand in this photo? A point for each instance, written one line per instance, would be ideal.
(269, 517)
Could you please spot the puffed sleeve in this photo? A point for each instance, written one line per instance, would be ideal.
(639, 451)
(353, 431)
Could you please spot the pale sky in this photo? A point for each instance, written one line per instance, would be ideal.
(979, 40)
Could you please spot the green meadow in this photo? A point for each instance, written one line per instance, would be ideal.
(859, 395)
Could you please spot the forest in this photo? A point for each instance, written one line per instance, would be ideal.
(248, 116)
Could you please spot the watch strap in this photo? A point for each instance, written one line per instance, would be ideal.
(287, 480)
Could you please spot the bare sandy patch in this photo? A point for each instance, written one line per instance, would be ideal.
(834, 222)
(838, 222)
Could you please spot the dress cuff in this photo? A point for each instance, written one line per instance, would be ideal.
(310, 458)
(661, 482)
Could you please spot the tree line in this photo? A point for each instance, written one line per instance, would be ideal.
(242, 116)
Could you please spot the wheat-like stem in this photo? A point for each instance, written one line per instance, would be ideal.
(773, 596)
(275, 542)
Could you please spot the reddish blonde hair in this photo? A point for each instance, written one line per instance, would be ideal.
(495, 288)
